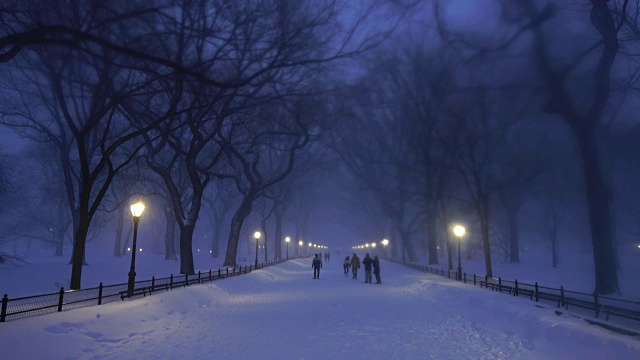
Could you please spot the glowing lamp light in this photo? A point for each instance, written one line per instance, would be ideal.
(373, 245)
(300, 243)
(257, 235)
(137, 208)
(140, 249)
(128, 249)
(459, 231)
(310, 244)
(385, 242)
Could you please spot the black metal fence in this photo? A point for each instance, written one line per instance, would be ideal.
(28, 306)
(590, 304)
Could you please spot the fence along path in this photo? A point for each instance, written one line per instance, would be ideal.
(621, 311)
(63, 300)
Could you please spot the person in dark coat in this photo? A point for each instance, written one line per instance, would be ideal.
(355, 265)
(367, 262)
(346, 265)
(316, 264)
(376, 269)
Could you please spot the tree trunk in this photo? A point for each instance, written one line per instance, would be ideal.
(297, 239)
(236, 226)
(514, 252)
(186, 250)
(432, 233)
(483, 214)
(265, 236)
(447, 239)
(77, 257)
(278, 238)
(554, 248)
(598, 200)
(119, 229)
(170, 233)
(215, 241)
(125, 244)
(60, 229)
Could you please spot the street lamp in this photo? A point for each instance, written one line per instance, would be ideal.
(257, 235)
(459, 231)
(287, 239)
(136, 210)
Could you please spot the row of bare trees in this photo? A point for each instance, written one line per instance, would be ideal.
(195, 92)
(477, 121)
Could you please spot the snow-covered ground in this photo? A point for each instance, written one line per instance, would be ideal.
(281, 313)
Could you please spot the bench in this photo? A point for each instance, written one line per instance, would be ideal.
(157, 287)
(548, 296)
(507, 288)
(125, 293)
(487, 284)
(525, 292)
(621, 312)
(585, 304)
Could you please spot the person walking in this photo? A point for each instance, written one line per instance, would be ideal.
(316, 264)
(367, 261)
(355, 265)
(376, 269)
(346, 265)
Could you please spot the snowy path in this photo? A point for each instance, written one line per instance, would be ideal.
(281, 313)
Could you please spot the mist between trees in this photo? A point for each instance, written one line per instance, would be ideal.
(408, 116)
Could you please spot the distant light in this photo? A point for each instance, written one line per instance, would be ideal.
(438, 247)
(287, 239)
(310, 244)
(210, 251)
(385, 242)
(300, 243)
(373, 244)
(257, 235)
(198, 250)
(140, 249)
(128, 249)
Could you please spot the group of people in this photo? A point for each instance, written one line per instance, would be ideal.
(369, 265)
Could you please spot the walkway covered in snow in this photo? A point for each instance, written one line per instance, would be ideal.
(282, 313)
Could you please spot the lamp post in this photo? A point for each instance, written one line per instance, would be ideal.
(257, 235)
(136, 210)
(287, 239)
(459, 232)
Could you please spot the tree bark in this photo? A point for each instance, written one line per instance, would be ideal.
(60, 230)
(186, 250)
(170, 233)
(432, 233)
(483, 214)
(278, 239)
(119, 229)
(265, 236)
(600, 221)
(236, 226)
(514, 251)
